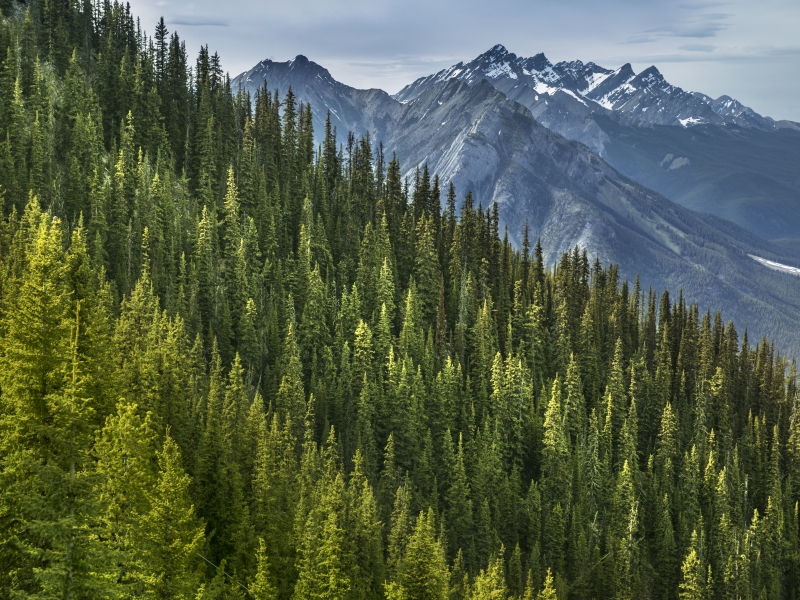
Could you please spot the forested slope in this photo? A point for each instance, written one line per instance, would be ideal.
(236, 366)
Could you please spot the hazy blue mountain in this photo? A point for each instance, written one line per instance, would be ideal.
(313, 83)
(472, 134)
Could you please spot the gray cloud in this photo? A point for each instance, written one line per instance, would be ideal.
(701, 26)
(197, 21)
(698, 47)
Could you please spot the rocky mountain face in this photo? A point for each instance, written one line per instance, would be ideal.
(473, 134)
(713, 155)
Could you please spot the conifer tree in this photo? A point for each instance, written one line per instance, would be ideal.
(262, 587)
(490, 583)
(424, 569)
(693, 584)
(169, 538)
(124, 453)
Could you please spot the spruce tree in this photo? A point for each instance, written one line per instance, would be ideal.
(170, 538)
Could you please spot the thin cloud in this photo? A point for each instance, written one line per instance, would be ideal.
(705, 26)
(735, 55)
(698, 47)
(703, 5)
(198, 21)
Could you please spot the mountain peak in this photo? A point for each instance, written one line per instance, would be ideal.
(626, 70)
(538, 62)
(527, 79)
(651, 75)
(496, 53)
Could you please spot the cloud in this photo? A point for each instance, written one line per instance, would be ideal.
(703, 26)
(703, 53)
(197, 21)
(698, 47)
(642, 38)
(703, 5)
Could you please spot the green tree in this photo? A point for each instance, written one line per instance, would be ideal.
(262, 587)
(424, 572)
(170, 538)
(490, 583)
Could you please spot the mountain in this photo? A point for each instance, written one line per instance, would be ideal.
(471, 133)
(643, 98)
(712, 155)
(312, 83)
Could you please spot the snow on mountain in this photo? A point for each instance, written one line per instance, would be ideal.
(645, 98)
(734, 111)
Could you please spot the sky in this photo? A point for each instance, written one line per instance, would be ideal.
(748, 50)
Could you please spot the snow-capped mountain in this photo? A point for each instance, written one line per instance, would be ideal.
(536, 73)
(643, 98)
(734, 111)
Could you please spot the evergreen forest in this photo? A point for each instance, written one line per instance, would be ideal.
(237, 364)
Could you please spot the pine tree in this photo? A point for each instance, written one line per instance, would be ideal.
(555, 455)
(169, 538)
(124, 453)
(363, 533)
(291, 398)
(458, 512)
(547, 592)
(46, 416)
(693, 585)
(490, 583)
(262, 587)
(424, 570)
(321, 560)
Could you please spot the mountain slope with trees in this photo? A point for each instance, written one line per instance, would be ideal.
(471, 134)
(236, 366)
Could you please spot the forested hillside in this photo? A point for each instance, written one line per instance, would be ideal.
(234, 365)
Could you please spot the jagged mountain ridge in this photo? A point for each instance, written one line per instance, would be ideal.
(640, 98)
(475, 136)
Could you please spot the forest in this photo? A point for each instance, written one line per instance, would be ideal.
(235, 364)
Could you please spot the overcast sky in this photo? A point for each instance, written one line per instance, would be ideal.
(744, 48)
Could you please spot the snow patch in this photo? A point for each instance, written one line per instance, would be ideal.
(543, 88)
(776, 266)
(679, 162)
(594, 80)
(574, 95)
(499, 69)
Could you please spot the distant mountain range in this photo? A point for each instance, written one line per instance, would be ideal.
(644, 98)
(717, 156)
(490, 126)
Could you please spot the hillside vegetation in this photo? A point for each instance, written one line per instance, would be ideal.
(234, 365)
